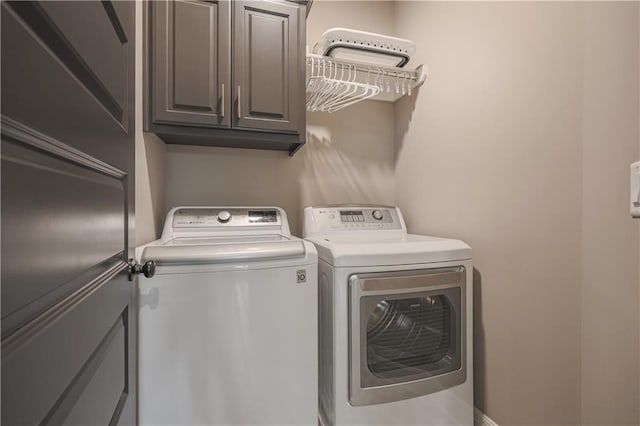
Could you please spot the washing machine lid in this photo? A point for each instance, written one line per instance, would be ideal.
(216, 250)
(226, 234)
(388, 250)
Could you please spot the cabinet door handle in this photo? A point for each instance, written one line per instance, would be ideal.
(222, 102)
(239, 113)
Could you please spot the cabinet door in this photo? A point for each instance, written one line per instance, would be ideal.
(267, 74)
(191, 63)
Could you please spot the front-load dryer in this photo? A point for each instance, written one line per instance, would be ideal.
(228, 330)
(395, 320)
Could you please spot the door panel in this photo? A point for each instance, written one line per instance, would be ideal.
(103, 58)
(269, 100)
(66, 238)
(266, 72)
(43, 90)
(45, 366)
(68, 324)
(190, 43)
(95, 49)
(102, 385)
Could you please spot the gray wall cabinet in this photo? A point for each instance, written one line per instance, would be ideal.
(226, 73)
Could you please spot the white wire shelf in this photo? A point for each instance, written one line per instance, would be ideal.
(333, 84)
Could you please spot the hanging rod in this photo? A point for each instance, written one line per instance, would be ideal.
(416, 74)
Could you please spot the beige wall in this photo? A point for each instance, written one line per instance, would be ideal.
(150, 161)
(609, 235)
(519, 144)
(348, 156)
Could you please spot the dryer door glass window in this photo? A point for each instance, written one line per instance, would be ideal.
(407, 333)
(410, 336)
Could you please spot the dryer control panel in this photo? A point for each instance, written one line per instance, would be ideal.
(349, 218)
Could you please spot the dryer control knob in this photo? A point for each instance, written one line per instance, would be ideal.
(224, 216)
(377, 215)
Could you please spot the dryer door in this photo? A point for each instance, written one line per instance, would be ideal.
(407, 334)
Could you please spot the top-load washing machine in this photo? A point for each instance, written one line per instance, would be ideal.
(395, 320)
(228, 330)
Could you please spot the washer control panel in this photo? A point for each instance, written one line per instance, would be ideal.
(209, 218)
(356, 218)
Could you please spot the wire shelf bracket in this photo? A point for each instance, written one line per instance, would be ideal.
(333, 84)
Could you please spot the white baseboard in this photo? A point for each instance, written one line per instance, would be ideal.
(481, 419)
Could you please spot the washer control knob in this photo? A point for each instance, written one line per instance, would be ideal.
(377, 215)
(224, 216)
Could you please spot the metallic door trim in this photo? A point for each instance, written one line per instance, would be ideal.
(399, 391)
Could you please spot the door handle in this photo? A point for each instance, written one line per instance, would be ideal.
(437, 277)
(222, 102)
(148, 269)
(239, 113)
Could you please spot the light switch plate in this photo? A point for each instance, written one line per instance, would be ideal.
(635, 190)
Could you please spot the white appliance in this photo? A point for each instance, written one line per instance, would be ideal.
(228, 326)
(395, 320)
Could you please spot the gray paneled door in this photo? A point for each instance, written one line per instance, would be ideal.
(68, 322)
